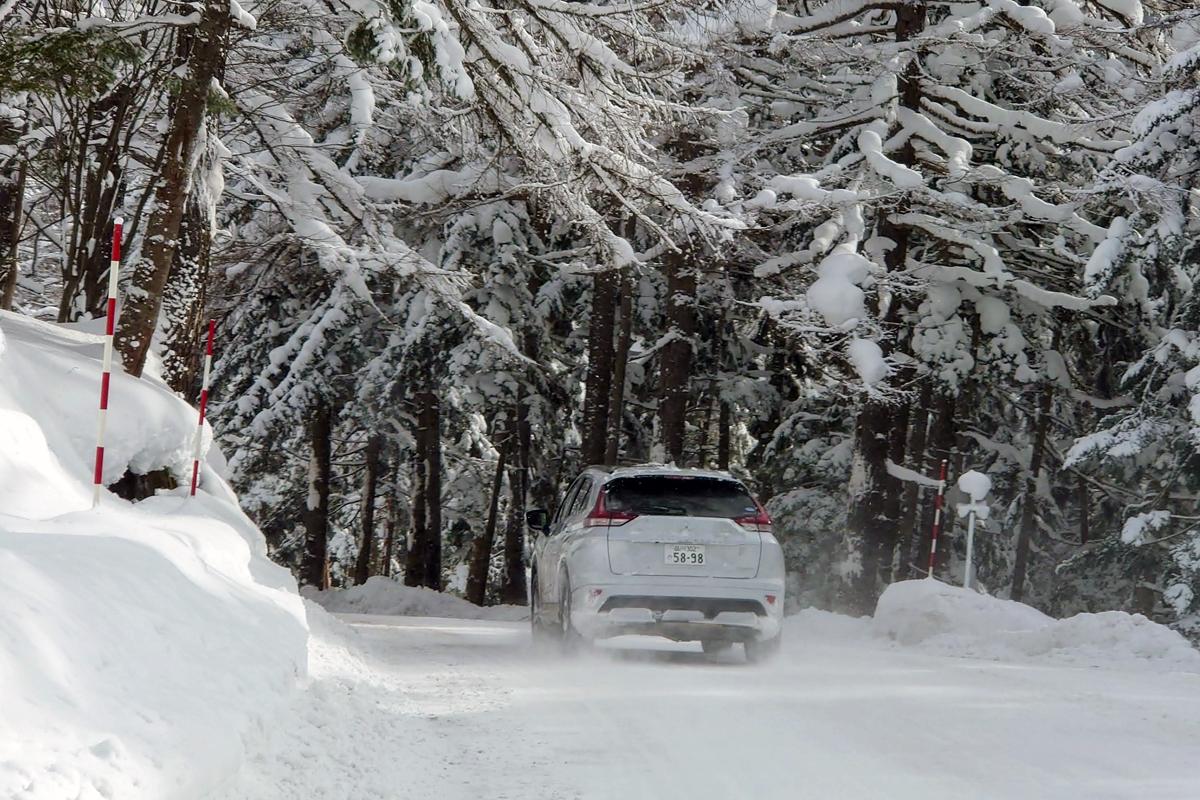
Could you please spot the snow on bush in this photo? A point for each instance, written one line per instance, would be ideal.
(381, 595)
(957, 621)
(138, 643)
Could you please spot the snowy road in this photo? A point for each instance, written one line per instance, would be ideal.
(447, 709)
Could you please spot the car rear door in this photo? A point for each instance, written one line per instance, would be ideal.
(682, 526)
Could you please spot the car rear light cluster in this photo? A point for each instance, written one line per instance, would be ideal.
(757, 521)
(603, 517)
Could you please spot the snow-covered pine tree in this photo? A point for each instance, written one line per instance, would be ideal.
(937, 187)
(1145, 448)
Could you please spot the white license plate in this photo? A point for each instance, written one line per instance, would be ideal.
(691, 555)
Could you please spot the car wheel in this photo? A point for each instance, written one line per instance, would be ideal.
(569, 637)
(538, 629)
(715, 646)
(761, 650)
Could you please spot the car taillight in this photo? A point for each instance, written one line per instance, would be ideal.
(602, 517)
(756, 521)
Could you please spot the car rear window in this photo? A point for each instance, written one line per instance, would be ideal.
(679, 496)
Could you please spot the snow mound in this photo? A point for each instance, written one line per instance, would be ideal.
(955, 621)
(139, 643)
(381, 595)
(817, 625)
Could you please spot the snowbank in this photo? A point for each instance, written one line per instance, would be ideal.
(138, 643)
(381, 595)
(956, 621)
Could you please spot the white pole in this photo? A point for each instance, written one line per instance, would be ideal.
(967, 578)
(106, 376)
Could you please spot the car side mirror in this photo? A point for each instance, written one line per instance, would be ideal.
(538, 519)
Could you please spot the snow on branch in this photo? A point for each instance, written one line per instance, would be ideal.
(911, 476)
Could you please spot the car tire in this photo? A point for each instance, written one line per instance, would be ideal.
(761, 650)
(539, 631)
(714, 647)
(569, 638)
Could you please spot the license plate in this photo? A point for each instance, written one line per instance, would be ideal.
(691, 555)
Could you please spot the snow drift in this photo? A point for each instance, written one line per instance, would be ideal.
(138, 643)
(957, 621)
(381, 595)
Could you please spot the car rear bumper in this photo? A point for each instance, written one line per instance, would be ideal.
(729, 610)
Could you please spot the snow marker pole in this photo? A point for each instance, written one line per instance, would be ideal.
(208, 354)
(106, 376)
(938, 502)
(967, 577)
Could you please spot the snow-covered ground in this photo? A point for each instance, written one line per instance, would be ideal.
(151, 651)
(140, 645)
(441, 708)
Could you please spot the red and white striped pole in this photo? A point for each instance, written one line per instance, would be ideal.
(938, 503)
(106, 377)
(208, 354)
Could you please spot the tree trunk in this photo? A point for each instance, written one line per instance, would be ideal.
(362, 565)
(1029, 502)
(724, 421)
(872, 531)
(892, 554)
(599, 379)
(432, 423)
(1085, 524)
(879, 429)
(676, 356)
(512, 587)
(315, 568)
(481, 548)
(12, 209)
(184, 299)
(918, 430)
(389, 543)
(616, 403)
(418, 544)
(139, 319)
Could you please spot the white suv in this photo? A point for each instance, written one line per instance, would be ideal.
(680, 553)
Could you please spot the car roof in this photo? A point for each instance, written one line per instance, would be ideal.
(661, 470)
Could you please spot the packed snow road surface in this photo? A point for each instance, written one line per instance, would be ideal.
(407, 707)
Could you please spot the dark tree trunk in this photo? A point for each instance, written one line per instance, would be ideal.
(724, 422)
(676, 355)
(101, 197)
(481, 548)
(389, 543)
(1029, 502)
(315, 567)
(512, 586)
(139, 318)
(12, 209)
(880, 428)
(432, 423)
(599, 380)
(184, 299)
(1085, 523)
(616, 403)
(918, 430)
(873, 532)
(418, 544)
(892, 553)
(362, 565)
